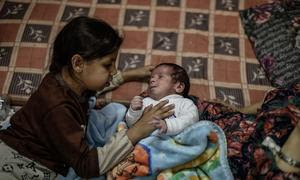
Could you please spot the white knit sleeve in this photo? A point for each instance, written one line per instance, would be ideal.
(186, 115)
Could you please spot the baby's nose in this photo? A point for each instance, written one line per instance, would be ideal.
(152, 80)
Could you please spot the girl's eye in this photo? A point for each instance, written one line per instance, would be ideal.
(107, 65)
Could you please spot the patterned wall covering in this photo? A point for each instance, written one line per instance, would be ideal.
(204, 36)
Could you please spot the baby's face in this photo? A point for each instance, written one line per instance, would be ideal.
(161, 84)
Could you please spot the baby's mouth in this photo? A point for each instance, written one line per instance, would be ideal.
(152, 87)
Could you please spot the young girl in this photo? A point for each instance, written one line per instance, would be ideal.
(47, 136)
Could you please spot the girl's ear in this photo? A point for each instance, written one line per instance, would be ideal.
(77, 63)
(179, 87)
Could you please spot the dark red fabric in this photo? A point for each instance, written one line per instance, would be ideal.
(248, 158)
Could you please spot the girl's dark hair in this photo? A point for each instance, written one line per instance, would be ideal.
(179, 74)
(89, 37)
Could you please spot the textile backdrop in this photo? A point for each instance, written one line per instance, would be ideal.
(204, 36)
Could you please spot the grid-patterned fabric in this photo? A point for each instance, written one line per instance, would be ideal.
(204, 36)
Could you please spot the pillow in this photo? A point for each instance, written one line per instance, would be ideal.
(273, 30)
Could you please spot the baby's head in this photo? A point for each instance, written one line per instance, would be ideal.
(167, 79)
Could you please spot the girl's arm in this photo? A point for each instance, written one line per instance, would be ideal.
(119, 78)
(122, 143)
(137, 74)
(251, 109)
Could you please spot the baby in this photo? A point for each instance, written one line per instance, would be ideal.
(168, 81)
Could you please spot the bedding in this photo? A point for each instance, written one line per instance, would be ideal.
(247, 156)
(205, 37)
(274, 32)
(197, 151)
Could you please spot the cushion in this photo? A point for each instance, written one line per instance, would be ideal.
(273, 30)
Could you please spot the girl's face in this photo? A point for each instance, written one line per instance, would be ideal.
(161, 83)
(97, 73)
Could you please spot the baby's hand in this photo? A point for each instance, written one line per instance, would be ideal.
(160, 124)
(136, 103)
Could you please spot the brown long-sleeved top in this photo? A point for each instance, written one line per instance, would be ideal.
(50, 129)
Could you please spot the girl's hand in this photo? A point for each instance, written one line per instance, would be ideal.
(137, 74)
(136, 103)
(160, 124)
(143, 127)
(227, 105)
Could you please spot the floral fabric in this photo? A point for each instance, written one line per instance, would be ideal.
(274, 32)
(247, 157)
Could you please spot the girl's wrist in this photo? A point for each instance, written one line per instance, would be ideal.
(136, 133)
(137, 74)
(132, 135)
(129, 75)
